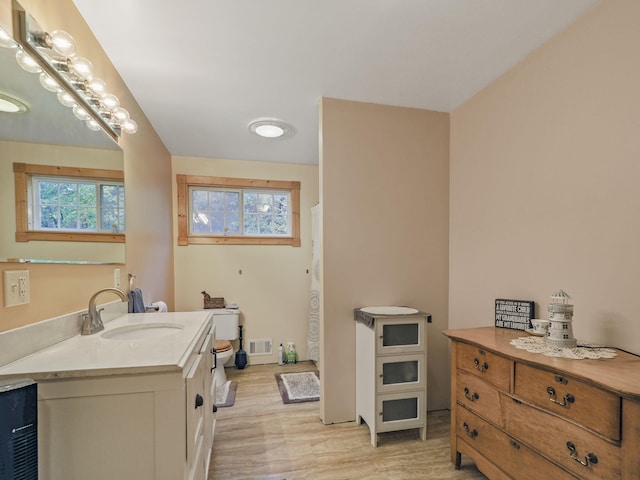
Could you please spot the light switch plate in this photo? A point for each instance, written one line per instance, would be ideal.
(16, 288)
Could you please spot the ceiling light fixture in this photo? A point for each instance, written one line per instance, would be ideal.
(271, 128)
(70, 77)
(9, 104)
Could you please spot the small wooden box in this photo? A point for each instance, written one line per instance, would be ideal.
(217, 302)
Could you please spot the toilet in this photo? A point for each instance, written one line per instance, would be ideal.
(226, 321)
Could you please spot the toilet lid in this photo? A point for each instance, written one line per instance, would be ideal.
(223, 345)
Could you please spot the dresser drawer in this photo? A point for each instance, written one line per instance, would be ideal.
(590, 406)
(515, 459)
(552, 435)
(493, 368)
(479, 396)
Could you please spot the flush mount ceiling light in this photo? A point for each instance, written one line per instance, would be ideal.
(9, 104)
(70, 77)
(271, 128)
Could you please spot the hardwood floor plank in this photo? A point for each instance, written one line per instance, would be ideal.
(260, 438)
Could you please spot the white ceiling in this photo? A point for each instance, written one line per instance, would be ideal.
(203, 69)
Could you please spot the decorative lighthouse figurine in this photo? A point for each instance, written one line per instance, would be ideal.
(560, 332)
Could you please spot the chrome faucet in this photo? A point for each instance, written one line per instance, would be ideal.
(92, 321)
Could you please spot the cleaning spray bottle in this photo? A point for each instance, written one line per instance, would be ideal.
(292, 356)
(280, 355)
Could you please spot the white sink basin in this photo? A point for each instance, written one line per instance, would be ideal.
(389, 310)
(143, 331)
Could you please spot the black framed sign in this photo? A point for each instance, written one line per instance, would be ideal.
(515, 314)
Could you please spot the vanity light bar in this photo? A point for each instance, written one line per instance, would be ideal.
(53, 56)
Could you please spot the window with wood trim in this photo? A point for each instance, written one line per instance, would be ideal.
(237, 211)
(69, 204)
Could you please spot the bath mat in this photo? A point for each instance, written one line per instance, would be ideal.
(298, 387)
(226, 394)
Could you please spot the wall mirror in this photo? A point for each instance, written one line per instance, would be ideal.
(47, 133)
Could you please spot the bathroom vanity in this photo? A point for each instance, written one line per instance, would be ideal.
(134, 401)
(391, 366)
(522, 415)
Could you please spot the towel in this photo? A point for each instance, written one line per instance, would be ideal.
(136, 303)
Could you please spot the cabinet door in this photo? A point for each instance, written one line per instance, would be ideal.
(400, 335)
(195, 408)
(400, 372)
(400, 411)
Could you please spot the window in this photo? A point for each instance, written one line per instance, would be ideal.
(236, 211)
(69, 204)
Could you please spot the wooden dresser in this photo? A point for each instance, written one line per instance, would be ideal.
(522, 415)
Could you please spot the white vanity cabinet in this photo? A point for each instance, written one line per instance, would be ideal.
(139, 410)
(391, 379)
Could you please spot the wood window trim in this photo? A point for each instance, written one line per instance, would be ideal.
(23, 171)
(186, 181)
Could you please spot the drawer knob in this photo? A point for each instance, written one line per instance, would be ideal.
(199, 400)
(471, 398)
(589, 459)
(480, 367)
(566, 400)
(470, 433)
(514, 444)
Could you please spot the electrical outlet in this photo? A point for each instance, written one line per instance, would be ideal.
(16, 288)
(116, 278)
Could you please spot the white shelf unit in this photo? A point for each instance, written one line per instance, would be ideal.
(391, 374)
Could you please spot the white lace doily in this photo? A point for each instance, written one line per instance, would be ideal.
(538, 345)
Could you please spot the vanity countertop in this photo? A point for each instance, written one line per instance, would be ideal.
(93, 355)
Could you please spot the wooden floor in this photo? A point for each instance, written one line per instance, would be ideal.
(262, 438)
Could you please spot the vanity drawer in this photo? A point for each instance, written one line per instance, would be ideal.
(586, 404)
(479, 396)
(552, 436)
(195, 407)
(515, 459)
(493, 368)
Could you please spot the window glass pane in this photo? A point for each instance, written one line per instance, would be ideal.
(109, 219)
(200, 223)
(250, 202)
(199, 200)
(280, 204)
(87, 219)
(217, 222)
(232, 201)
(87, 194)
(216, 201)
(280, 226)
(251, 224)
(233, 223)
(109, 196)
(266, 224)
(48, 217)
(68, 217)
(68, 194)
(48, 193)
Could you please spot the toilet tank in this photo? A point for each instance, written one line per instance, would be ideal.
(226, 321)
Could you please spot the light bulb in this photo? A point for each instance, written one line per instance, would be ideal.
(269, 131)
(129, 126)
(120, 114)
(110, 101)
(80, 113)
(82, 67)
(49, 83)
(97, 86)
(62, 43)
(5, 40)
(26, 62)
(66, 99)
(93, 125)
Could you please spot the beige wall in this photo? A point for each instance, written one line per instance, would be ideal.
(59, 289)
(545, 165)
(384, 193)
(273, 290)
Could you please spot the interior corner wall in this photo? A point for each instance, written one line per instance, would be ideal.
(61, 289)
(384, 191)
(545, 165)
